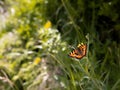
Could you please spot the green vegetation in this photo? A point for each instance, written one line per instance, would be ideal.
(35, 39)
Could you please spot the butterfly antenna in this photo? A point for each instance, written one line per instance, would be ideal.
(71, 47)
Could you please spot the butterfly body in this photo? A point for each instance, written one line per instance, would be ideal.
(79, 52)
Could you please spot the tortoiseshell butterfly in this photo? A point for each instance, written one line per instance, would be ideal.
(79, 52)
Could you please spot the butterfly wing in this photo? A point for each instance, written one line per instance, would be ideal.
(80, 52)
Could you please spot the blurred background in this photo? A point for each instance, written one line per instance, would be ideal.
(36, 37)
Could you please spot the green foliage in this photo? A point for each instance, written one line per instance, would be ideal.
(77, 18)
(25, 44)
(33, 54)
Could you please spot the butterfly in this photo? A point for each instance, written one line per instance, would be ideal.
(79, 52)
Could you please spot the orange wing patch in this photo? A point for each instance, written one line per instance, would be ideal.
(80, 52)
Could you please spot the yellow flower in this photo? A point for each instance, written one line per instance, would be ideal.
(37, 60)
(47, 25)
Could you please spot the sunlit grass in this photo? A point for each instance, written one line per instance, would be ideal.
(34, 56)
